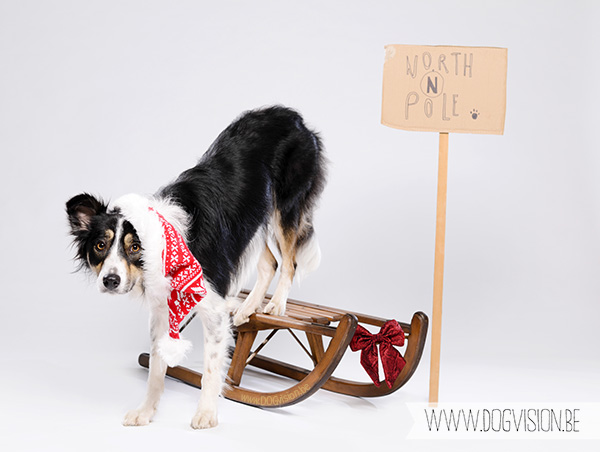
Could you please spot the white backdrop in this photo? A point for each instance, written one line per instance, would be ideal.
(113, 97)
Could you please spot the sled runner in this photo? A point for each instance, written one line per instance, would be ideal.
(316, 323)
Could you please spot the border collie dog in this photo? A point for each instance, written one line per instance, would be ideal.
(255, 187)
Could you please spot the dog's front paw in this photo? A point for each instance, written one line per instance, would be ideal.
(137, 417)
(241, 317)
(205, 419)
(275, 308)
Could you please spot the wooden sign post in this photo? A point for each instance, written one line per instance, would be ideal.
(443, 89)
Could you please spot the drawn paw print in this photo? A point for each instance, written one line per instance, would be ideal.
(474, 114)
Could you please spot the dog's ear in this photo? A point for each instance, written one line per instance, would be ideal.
(81, 209)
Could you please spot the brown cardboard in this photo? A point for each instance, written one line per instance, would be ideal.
(444, 89)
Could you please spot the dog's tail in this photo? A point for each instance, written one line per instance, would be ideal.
(308, 257)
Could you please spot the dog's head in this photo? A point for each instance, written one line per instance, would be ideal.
(106, 243)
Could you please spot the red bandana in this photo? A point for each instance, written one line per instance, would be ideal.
(392, 361)
(185, 271)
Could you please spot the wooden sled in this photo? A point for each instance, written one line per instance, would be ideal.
(316, 322)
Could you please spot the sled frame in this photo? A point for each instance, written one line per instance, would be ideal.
(316, 322)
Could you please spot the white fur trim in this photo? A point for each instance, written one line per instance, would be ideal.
(172, 351)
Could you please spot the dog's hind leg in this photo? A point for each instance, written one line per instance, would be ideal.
(300, 254)
(267, 266)
(286, 239)
(217, 339)
(156, 377)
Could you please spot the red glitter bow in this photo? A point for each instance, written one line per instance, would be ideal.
(392, 361)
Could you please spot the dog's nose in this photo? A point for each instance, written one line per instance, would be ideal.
(112, 281)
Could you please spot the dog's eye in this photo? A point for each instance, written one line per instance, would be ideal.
(135, 248)
(100, 245)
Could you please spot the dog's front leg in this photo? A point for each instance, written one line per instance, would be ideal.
(156, 377)
(217, 339)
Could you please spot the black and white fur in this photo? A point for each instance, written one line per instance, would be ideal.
(257, 184)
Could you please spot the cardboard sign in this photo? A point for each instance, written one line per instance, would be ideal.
(444, 89)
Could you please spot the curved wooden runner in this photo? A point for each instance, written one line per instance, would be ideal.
(311, 381)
